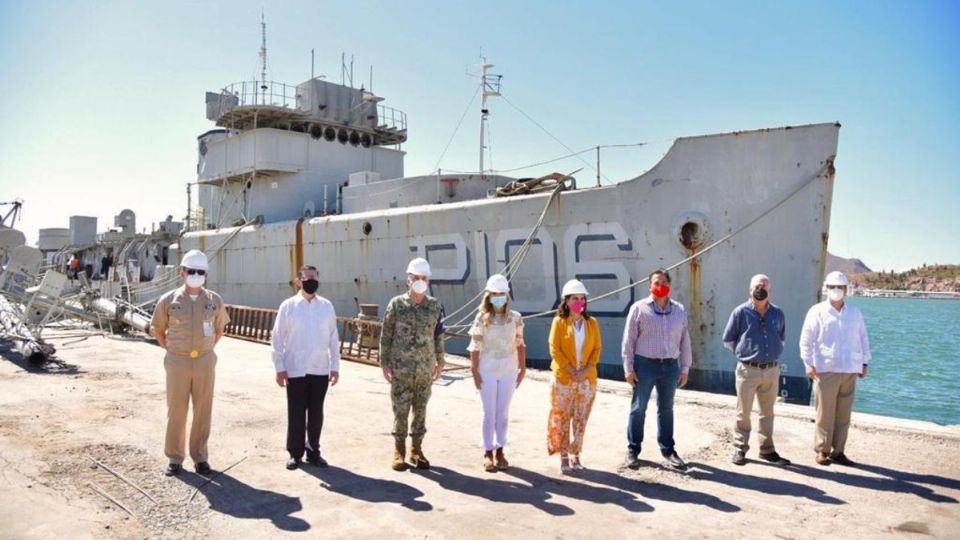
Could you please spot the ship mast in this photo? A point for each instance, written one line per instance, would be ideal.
(489, 87)
(263, 57)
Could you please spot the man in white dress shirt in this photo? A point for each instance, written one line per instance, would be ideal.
(835, 349)
(306, 355)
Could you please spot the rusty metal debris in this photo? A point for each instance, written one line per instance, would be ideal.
(121, 477)
(527, 186)
(110, 498)
(33, 296)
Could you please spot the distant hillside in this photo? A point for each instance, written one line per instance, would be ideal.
(847, 266)
(939, 277)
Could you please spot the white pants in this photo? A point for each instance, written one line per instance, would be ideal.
(496, 393)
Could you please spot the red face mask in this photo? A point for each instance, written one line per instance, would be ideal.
(577, 306)
(661, 291)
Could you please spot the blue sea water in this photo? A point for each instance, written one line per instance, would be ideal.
(915, 371)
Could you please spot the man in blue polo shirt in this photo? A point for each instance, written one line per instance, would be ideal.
(755, 333)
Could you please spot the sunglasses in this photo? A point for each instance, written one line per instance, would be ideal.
(192, 271)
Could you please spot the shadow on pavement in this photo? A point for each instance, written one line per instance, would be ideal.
(365, 488)
(890, 480)
(762, 484)
(232, 497)
(535, 490)
(656, 491)
(53, 366)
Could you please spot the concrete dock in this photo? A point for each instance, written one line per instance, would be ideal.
(103, 399)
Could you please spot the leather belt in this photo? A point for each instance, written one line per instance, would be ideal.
(658, 360)
(761, 365)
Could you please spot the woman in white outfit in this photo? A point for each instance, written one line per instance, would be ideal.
(498, 363)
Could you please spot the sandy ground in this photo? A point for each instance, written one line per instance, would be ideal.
(104, 399)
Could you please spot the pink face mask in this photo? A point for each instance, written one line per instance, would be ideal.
(577, 306)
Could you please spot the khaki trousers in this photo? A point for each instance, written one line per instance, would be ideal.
(834, 404)
(189, 380)
(764, 385)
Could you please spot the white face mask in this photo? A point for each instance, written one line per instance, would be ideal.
(419, 286)
(835, 294)
(196, 281)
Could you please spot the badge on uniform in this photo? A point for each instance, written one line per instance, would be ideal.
(207, 328)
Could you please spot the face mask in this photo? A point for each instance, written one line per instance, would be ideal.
(577, 306)
(661, 291)
(419, 286)
(498, 301)
(759, 294)
(835, 294)
(310, 286)
(196, 281)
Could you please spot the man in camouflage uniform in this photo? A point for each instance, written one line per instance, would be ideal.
(411, 355)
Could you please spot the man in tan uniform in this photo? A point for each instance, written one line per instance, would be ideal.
(188, 322)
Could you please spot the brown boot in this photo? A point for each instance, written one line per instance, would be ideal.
(488, 462)
(417, 459)
(399, 453)
(502, 462)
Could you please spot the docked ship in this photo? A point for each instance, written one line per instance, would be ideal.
(314, 173)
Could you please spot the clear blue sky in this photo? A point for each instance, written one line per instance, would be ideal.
(102, 101)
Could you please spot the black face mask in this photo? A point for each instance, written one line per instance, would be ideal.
(759, 294)
(310, 286)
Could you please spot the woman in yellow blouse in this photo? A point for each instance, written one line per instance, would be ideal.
(575, 351)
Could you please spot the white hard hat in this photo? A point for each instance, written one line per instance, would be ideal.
(497, 284)
(574, 287)
(419, 267)
(836, 278)
(195, 259)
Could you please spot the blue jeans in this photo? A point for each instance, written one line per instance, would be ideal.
(664, 378)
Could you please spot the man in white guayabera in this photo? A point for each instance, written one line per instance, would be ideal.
(835, 349)
(306, 355)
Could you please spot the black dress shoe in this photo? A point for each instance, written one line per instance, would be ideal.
(775, 458)
(293, 463)
(842, 459)
(203, 468)
(632, 462)
(739, 458)
(173, 469)
(314, 458)
(674, 460)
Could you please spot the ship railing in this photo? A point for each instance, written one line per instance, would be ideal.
(260, 93)
(390, 119)
(364, 116)
(359, 337)
(250, 323)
